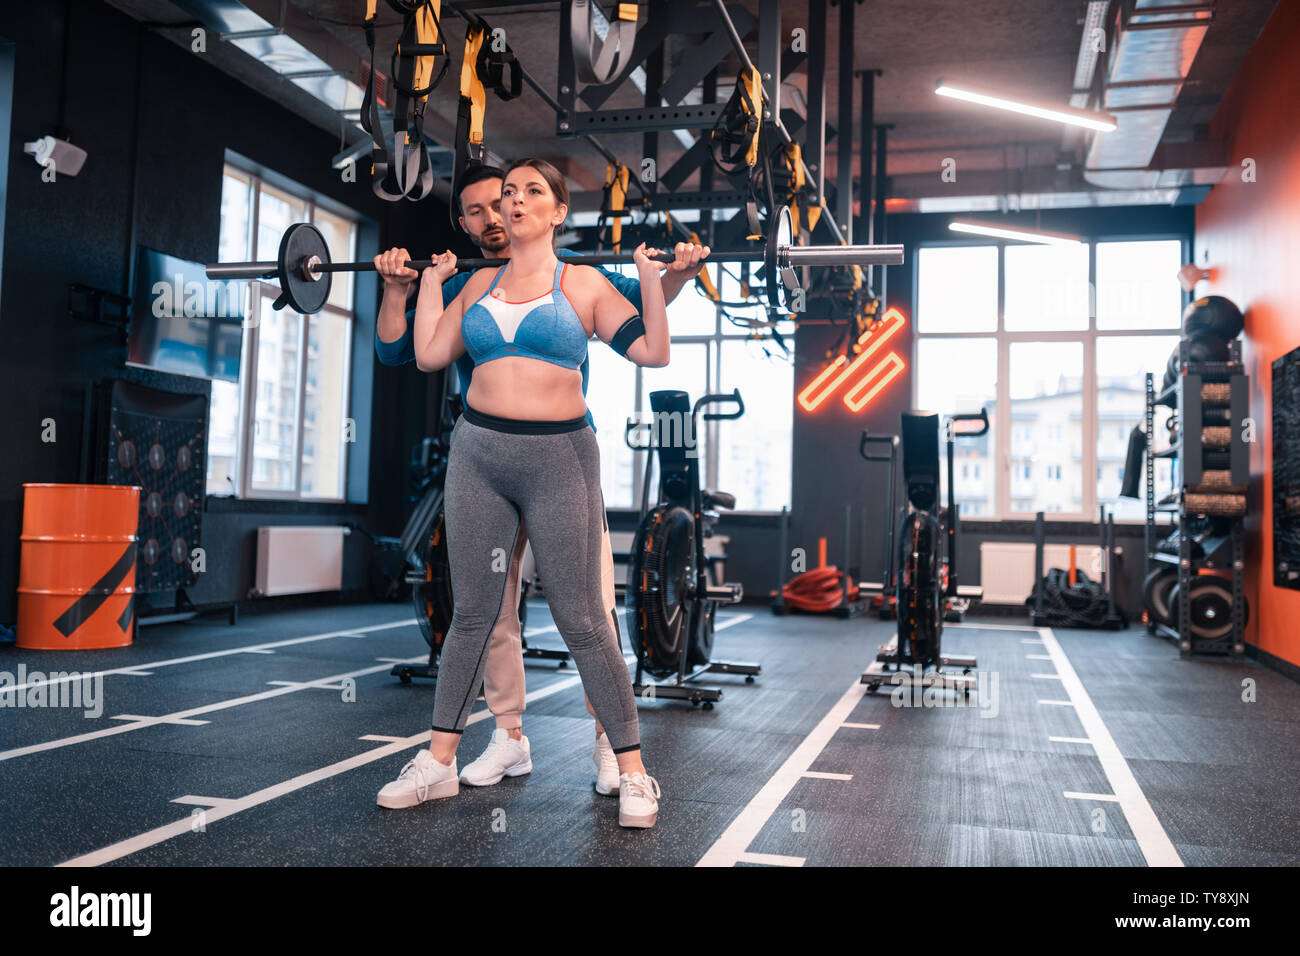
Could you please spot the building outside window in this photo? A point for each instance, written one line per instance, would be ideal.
(1054, 342)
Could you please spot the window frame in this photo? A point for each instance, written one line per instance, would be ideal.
(256, 292)
(1088, 337)
(713, 375)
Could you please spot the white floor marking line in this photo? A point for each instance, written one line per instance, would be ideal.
(134, 670)
(771, 859)
(533, 632)
(380, 737)
(819, 775)
(179, 721)
(171, 718)
(1070, 740)
(738, 619)
(735, 840)
(1038, 657)
(190, 799)
(1046, 676)
(1058, 703)
(1104, 797)
(990, 627)
(1152, 840)
(863, 726)
(237, 805)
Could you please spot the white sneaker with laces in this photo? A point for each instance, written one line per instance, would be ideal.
(502, 758)
(423, 778)
(606, 767)
(638, 800)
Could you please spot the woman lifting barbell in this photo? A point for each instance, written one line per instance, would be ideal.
(522, 450)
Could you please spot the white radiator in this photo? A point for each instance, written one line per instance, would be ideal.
(295, 559)
(1007, 567)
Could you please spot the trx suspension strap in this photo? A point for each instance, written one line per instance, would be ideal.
(614, 56)
(613, 199)
(486, 59)
(405, 171)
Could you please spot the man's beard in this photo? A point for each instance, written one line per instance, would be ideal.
(492, 241)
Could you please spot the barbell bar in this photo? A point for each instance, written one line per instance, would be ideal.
(304, 267)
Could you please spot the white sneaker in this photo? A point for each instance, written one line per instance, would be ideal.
(606, 767)
(503, 758)
(638, 800)
(421, 779)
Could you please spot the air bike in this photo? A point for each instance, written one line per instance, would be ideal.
(671, 597)
(925, 586)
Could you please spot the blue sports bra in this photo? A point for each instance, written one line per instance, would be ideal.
(546, 328)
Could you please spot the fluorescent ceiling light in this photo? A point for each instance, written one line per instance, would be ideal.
(1088, 119)
(1016, 233)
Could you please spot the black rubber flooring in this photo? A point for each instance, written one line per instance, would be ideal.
(264, 745)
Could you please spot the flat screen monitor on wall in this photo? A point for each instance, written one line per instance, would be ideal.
(183, 322)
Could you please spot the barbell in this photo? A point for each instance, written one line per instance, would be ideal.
(304, 268)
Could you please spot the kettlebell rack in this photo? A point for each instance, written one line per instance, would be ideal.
(1211, 467)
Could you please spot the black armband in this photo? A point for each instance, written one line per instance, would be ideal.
(627, 333)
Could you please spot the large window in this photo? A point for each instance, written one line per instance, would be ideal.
(748, 457)
(283, 430)
(1054, 342)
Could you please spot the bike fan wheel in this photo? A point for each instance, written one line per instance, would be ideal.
(700, 651)
(663, 585)
(920, 590)
(432, 596)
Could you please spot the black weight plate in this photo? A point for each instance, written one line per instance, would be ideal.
(1211, 605)
(432, 596)
(1155, 594)
(305, 295)
(780, 232)
(659, 591)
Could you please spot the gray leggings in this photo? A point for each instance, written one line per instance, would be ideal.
(548, 473)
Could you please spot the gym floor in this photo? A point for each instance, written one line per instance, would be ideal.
(235, 745)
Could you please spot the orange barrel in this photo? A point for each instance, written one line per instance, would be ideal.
(76, 576)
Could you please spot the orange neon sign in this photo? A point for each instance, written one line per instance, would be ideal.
(841, 370)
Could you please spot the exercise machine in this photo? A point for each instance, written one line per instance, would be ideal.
(926, 589)
(670, 594)
(885, 601)
(1070, 598)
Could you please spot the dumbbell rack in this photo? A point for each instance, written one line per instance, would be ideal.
(1187, 446)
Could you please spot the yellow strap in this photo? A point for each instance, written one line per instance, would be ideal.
(702, 277)
(471, 87)
(370, 9)
(616, 181)
(792, 157)
(426, 31)
(710, 290)
(628, 11)
(753, 84)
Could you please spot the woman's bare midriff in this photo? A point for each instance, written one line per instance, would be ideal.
(526, 389)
